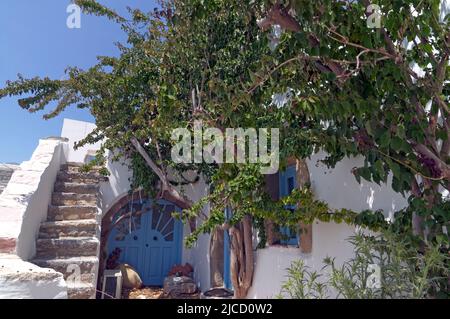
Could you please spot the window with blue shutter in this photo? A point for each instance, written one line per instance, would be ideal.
(287, 183)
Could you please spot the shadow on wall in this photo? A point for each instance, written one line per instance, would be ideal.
(339, 188)
(118, 184)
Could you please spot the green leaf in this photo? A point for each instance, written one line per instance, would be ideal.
(385, 139)
(378, 166)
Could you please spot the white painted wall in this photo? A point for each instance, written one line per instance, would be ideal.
(24, 202)
(118, 184)
(23, 207)
(271, 263)
(75, 131)
(23, 280)
(339, 188)
(198, 256)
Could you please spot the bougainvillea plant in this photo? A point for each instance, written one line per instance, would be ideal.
(377, 90)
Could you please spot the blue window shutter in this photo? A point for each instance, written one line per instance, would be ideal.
(288, 182)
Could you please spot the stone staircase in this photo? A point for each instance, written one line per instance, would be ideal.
(69, 241)
(6, 171)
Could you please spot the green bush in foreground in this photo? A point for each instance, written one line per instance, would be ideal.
(384, 266)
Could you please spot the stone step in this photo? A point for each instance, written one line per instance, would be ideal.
(66, 247)
(76, 167)
(73, 199)
(68, 267)
(74, 177)
(68, 228)
(81, 291)
(79, 188)
(59, 213)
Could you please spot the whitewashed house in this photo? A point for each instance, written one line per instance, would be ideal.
(51, 218)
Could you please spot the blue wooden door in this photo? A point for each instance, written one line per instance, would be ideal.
(288, 182)
(227, 254)
(150, 241)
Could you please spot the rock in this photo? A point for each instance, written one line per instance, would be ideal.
(179, 270)
(217, 293)
(183, 285)
(130, 278)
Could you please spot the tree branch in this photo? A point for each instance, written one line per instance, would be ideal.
(279, 15)
(168, 192)
(425, 151)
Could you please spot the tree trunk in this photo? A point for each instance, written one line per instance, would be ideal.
(417, 221)
(242, 257)
(216, 251)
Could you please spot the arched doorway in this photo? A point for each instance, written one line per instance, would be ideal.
(149, 237)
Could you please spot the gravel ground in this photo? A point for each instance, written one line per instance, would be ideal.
(153, 293)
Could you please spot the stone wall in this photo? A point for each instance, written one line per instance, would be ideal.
(23, 206)
(23, 280)
(24, 202)
(6, 171)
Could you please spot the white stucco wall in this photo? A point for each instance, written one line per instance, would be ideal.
(339, 188)
(118, 184)
(23, 280)
(75, 131)
(23, 207)
(24, 202)
(198, 256)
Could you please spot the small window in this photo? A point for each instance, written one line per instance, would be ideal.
(289, 236)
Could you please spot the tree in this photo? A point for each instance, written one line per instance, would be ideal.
(169, 65)
(376, 91)
(350, 90)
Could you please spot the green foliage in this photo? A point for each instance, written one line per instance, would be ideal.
(261, 228)
(302, 283)
(93, 7)
(352, 93)
(403, 272)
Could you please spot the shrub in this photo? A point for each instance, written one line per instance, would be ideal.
(384, 266)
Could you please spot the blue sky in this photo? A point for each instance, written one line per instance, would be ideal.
(35, 41)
